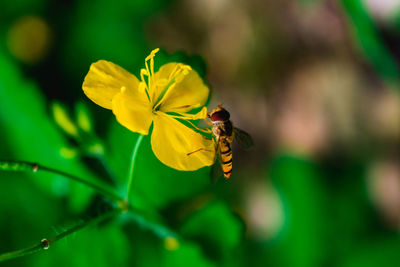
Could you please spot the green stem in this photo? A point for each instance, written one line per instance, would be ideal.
(132, 168)
(45, 243)
(34, 167)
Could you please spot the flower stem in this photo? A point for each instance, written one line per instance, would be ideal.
(45, 243)
(34, 167)
(132, 168)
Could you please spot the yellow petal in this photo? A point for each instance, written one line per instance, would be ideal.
(172, 141)
(187, 94)
(132, 113)
(105, 79)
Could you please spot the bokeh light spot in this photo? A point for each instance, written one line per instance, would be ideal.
(29, 39)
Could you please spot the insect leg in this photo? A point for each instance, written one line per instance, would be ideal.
(216, 145)
(200, 149)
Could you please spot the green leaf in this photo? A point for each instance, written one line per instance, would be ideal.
(30, 135)
(383, 252)
(114, 32)
(301, 241)
(187, 252)
(26, 213)
(94, 246)
(145, 245)
(368, 38)
(62, 118)
(216, 228)
(83, 117)
(11, 8)
(154, 184)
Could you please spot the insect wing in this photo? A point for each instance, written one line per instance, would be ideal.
(244, 140)
(216, 172)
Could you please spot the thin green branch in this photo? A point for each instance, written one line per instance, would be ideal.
(34, 167)
(45, 243)
(23, 252)
(132, 168)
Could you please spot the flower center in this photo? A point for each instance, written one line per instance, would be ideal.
(175, 77)
(149, 83)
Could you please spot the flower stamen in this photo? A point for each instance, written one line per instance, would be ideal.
(150, 71)
(204, 130)
(143, 86)
(189, 117)
(146, 84)
(176, 76)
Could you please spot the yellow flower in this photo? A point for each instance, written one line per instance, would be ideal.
(160, 99)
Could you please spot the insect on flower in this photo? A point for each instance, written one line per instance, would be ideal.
(160, 98)
(223, 134)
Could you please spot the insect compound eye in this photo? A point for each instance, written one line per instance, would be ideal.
(221, 115)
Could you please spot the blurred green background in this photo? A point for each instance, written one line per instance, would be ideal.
(316, 83)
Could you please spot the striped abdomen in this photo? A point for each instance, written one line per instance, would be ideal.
(225, 152)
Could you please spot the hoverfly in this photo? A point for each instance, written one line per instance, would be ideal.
(223, 134)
